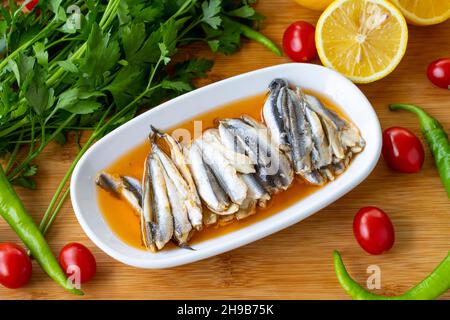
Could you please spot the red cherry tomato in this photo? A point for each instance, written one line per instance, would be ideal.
(439, 73)
(15, 266)
(402, 150)
(78, 256)
(299, 43)
(30, 5)
(373, 230)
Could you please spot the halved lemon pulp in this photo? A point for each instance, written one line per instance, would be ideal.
(424, 12)
(362, 39)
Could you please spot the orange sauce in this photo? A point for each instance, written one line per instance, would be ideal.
(125, 223)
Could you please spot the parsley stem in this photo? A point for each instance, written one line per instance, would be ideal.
(13, 154)
(31, 149)
(63, 39)
(58, 207)
(43, 144)
(44, 225)
(27, 44)
(14, 127)
(184, 8)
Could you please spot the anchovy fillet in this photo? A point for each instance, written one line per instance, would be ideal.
(178, 158)
(163, 220)
(273, 167)
(127, 188)
(209, 189)
(189, 198)
(182, 225)
(224, 171)
(348, 134)
(272, 114)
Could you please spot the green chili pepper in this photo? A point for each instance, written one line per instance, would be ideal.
(12, 210)
(436, 284)
(256, 36)
(436, 138)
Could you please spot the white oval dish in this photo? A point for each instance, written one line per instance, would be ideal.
(319, 79)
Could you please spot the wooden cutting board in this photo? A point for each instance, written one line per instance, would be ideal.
(295, 263)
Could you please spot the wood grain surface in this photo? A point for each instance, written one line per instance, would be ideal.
(295, 263)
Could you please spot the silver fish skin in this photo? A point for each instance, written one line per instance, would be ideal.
(270, 182)
(189, 198)
(348, 134)
(178, 158)
(321, 155)
(285, 174)
(273, 167)
(209, 189)
(148, 218)
(256, 191)
(314, 177)
(240, 161)
(299, 132)
(224, 171)
(338, 167)
(163, 223)
(182, 225)
(272, 114)
(127, 188)
(248, 136)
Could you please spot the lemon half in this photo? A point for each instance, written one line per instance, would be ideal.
(424, 12)
(364, 40)
(314, 4)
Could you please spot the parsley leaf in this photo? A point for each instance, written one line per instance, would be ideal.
(38, 95)
(211, 10)
(102, 54)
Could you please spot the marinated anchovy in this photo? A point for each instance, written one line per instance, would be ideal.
(299, 133)
(163, 220)
(209, 189)
(272, 114)
(273, 167)
(256, 191)
(314, 177)
(237, 142)
(209, 218)
(182, 225)
(327, 173)
(338, 167)
(178, 158)
(126, 188)
(189, 197)
(247, 209)
(334, 139)
(321, 155)
(224, 171)
(348, 134)
(239, 161)
(227, 219)
(148, 212)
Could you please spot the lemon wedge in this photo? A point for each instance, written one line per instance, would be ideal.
(424, 12)
(319, 5)
(364, 40)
